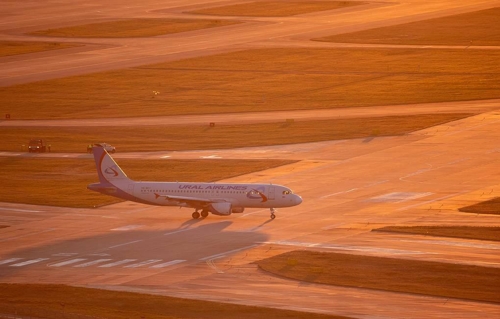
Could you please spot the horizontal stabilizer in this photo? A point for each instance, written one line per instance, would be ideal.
(98, 187)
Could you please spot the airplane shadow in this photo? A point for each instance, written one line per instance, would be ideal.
(70, 256)
(264, 223)
(190, 222)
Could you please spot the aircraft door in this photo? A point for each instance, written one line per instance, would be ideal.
(131, 188)
(270, 194)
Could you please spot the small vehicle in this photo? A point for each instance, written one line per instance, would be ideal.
(37, 145)
(109, 148)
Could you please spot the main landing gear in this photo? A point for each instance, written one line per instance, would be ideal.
(273, 216)
(196, 215)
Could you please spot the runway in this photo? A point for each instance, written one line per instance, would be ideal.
(349, 187)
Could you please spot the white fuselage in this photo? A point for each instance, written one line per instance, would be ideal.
(239, 195)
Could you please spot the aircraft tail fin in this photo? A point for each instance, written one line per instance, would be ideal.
(107, 169)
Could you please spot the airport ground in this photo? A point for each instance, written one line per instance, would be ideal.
(349, 186)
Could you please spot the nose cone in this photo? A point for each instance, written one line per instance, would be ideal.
(298, 199)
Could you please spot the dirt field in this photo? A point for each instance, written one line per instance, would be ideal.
(409, 276)
(476, 28)
(133, 28)
(198, 137)
(58, 301)
(264, 80)
(14, 48)
(44, 178)
(276, 8)
(481, 233)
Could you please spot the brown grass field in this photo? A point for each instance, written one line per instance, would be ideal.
(176, 138)
(264, 80)
(45, 180)
(480, 233)
(408, 276)
(475, 28)
(57, 301)
(488, 207)
(133, 28)
(22, 47)
(276, 8)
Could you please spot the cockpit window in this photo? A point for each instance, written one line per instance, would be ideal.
(286, 192)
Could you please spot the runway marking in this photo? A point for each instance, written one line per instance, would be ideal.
(117, 263)
(420, 171)
(460, 160)
(355, 189)
(65, 254)
(85, 215)
(210, 156)
(398, 197)
(212, 265)
(166, 156)
(143, 263)
(9, 154)
(170, 263)
(41, 232)
(21, 210)
(495, 150)
(68, 262)
(91, 263)
(348, 248)
(16, 217)
(216, 256)
(376, 183)
(125, 228)
(431, 168)
(8, 261)
(332, 226)
(29, 262)
(338, 193)
(431, 201)
(132, 242)
(177, 231)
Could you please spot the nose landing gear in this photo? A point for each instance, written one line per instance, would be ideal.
(273, 211)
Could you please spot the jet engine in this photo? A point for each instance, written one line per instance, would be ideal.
(221, 209)
(237, 210)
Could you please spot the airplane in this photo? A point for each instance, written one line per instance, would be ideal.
(216, 198)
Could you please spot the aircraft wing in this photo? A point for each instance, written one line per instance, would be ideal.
(191, 201)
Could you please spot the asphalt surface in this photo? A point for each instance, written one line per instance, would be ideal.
(349, 187)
